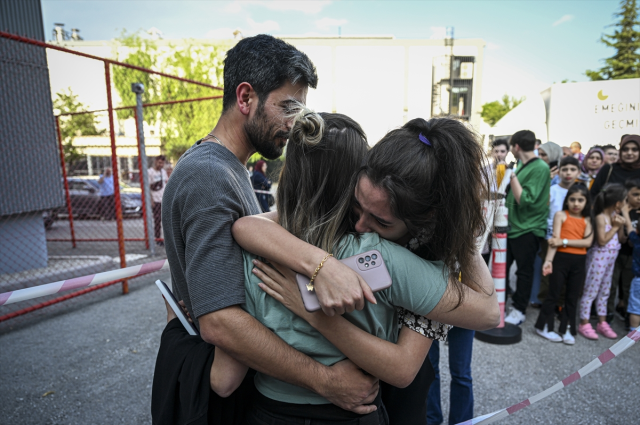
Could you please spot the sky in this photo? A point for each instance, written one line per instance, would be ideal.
(529, 44)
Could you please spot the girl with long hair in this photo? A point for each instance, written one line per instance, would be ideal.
(609, 226)
(565, 262)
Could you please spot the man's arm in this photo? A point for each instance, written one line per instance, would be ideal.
(249, 342)
(215, 276)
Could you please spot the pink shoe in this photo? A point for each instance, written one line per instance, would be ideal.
(587, 331)
(606, 331)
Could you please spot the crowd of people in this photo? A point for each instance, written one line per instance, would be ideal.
(573, 221)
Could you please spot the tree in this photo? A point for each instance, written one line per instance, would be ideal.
(625, 63)
(181, 124)
(73, 125)
(493, 111)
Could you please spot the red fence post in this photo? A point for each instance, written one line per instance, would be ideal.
(140, 171)
(116, 177)
(66, 183)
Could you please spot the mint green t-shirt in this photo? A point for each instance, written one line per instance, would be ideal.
(418, 285)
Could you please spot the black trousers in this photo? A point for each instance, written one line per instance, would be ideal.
(157, 220)
(523, 251)
(108, 207)
(569, 270)
(265, 411)
(408, 406)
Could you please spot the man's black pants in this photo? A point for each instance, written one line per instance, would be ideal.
(157, 220)
(523, 251)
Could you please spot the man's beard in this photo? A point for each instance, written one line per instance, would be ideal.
(259, 133)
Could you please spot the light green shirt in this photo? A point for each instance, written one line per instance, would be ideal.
(418, 285)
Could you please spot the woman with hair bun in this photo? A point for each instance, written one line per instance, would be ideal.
(406, 192)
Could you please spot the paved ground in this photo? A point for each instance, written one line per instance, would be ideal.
(92, 363)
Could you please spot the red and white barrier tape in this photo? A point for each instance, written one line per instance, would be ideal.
(266, 192)
(603, 358)
(81, 282)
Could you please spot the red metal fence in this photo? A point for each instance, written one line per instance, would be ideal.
(101, 221)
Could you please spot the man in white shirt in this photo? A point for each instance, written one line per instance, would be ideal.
(157, 181)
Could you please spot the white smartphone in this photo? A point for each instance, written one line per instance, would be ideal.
(173, 303)
(369, 265)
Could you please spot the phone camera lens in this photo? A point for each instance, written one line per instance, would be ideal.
(367, 258)
(366, 265)
(360, 260)
(374, 256)
(373, 263)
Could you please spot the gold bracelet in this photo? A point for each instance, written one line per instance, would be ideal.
(315, 274)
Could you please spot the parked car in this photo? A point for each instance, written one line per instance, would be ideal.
(85, 198)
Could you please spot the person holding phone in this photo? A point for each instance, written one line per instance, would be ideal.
(551, 153)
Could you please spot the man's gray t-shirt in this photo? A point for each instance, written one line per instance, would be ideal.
(208, 191)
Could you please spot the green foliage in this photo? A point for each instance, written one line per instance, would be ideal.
(73, 125)
(493, 111)
(625, 63)
(180, 124)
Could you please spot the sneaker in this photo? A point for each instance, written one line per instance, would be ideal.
(605, 330)
(587, 331)
(551, 336)
(515, 317)
(568, 339)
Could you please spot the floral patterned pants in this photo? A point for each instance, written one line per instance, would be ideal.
(600, 264)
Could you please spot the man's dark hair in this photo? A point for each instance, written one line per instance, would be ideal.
(266, 63)
(569, 160)
(501, 141)
(607, 147)
(526, 139)
(162, 157)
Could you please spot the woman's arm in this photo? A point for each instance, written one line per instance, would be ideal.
(603, 237)
(226, 373)
(339, 288)
(479, 309)
(396, 364)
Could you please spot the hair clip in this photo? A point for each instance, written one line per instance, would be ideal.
(424, 140)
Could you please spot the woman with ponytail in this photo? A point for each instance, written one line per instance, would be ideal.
(407, 192)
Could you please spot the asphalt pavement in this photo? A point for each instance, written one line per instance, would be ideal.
(92, 363)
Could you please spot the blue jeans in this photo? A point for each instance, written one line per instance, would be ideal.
(461, 395)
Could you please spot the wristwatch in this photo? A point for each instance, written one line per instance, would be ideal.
(565, 242)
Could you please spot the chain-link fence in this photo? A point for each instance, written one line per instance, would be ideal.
(82, 186)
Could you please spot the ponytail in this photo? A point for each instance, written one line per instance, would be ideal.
(434, 174)
(608, 197)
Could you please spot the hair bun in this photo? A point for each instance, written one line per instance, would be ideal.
(307, 127)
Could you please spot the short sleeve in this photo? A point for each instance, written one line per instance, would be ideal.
(420, 324)
(214, 264)
(418, 284)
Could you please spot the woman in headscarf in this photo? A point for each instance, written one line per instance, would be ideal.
(627, 167)
(551, 153)
(593, 161)
(261, 184)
